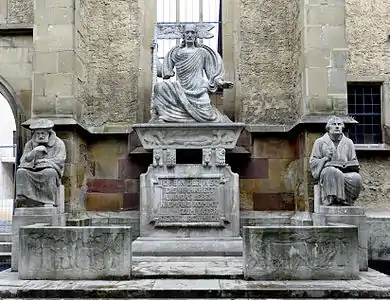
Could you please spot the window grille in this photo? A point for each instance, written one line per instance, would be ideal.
(364, 105)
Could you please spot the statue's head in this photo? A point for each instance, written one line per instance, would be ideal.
(190, 33)
(335, 125)
(41, 130)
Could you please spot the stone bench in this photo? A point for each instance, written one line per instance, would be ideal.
(76, 253)
(300, 252)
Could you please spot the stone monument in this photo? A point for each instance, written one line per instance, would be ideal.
(188, 209)
(39, 193)
(334, 165)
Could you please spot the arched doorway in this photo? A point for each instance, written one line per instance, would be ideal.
(12, 138)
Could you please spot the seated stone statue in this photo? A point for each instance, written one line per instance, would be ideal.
(187, 99)
(38, 176)
(333, 162)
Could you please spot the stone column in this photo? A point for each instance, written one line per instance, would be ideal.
(57, 66)
(323, 56)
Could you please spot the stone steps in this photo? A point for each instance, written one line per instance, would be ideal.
(178, 267)
(5, 258)
(5, 247)
(371, 284)
(5, 237)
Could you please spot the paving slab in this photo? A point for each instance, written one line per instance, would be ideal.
(371, 284)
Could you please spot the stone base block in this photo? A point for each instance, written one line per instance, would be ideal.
(78, 253)
(379, 237)
(300, 252)
(187, 247)
(351, 215)
(28, 216)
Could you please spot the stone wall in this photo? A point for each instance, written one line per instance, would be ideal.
(17, 11)
(375, 171)
(16, 50)
(265, 180)
(368, 29)
(112, 58)
(113, 182)
(15, 67)
(269, 57)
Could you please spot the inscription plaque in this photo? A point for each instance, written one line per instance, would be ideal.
(189, 202)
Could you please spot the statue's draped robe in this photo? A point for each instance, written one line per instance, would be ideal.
(187, 99)
(333, 182)
(39, 179)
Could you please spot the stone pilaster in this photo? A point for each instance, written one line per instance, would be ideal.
(57, 72)
(323, 57)
(57, 66)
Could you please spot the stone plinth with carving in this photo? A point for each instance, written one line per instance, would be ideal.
(77, 253)
(188, 135)
(181, 203)
(300, 252)
(351, 215)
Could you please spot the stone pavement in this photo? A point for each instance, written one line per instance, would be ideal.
(371, 284)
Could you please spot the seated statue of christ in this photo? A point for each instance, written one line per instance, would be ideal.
(187, 99)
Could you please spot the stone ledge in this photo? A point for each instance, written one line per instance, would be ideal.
(304, 121)
(371, 284)
(16, 29)
(372, 147)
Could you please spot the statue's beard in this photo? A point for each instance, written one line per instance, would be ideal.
(43, 141)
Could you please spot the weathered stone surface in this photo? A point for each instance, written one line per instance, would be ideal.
(351, 215)
(378, 236)
(30, 216)
(368, 55)
(112, 52)
(375, 171)
(189, 135)
(75, 252)
(300, 253)
(21, 11)
(268, 60)
(188, 246)
(185, 267)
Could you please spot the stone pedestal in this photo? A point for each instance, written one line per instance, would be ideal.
(189, 209)
(300, 252)
(351, 215)
(78, 253)
(32, 215)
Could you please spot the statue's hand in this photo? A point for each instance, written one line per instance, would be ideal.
(227, 84)
(167, 76)
(40, 148)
